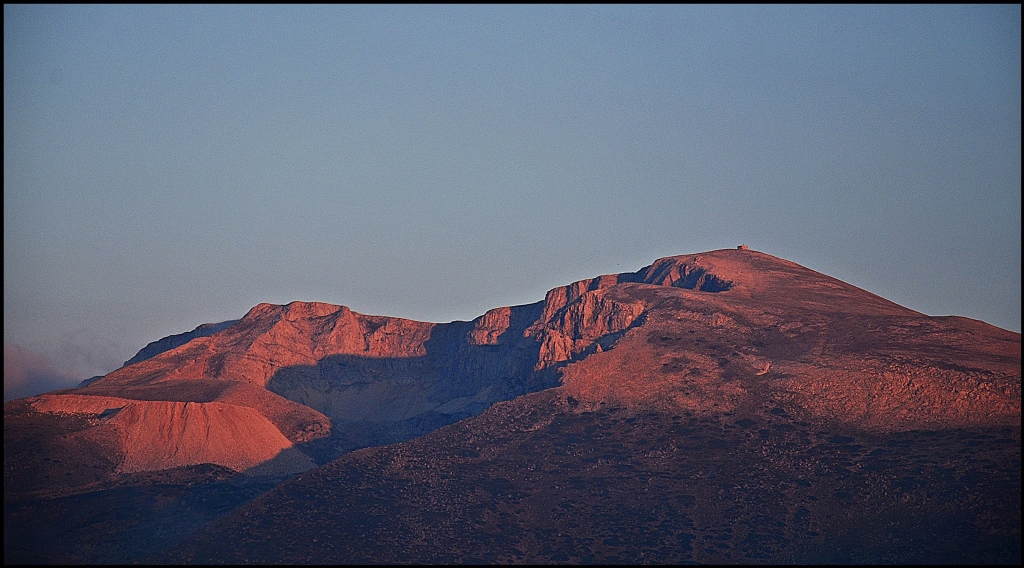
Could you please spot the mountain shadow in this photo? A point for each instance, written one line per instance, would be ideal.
(374, 401)
(539, 480)
(721, 407)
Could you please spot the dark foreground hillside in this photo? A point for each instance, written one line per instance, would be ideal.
(538, 481)
(727, 406)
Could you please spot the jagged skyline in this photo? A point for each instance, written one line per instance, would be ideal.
(172, 166)
(726, 395)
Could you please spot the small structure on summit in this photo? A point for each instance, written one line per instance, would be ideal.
(743, 247)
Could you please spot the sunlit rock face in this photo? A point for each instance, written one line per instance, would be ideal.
(167, 343)
(704, 379)
(775, 416)
(699, 332)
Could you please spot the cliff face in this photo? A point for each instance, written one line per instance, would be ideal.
(705, 332)
(723, 398)
(727, 407)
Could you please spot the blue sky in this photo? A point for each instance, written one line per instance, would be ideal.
(166, 166)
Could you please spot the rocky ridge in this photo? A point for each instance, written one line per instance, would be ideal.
(699, 332)
(679, 396)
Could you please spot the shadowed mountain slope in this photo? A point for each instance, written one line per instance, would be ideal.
(539, 480)
(789, 417)
(717, 383)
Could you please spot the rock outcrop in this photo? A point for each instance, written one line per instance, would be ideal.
(706, 332)
(723, 397)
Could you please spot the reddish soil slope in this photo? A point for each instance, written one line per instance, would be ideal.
(777, 415)
(746, 365)
(697, 332)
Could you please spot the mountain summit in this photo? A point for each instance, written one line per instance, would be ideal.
(690, 374)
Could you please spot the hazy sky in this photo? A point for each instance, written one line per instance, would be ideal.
(166, 166)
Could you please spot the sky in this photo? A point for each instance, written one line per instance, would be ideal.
(167, 166)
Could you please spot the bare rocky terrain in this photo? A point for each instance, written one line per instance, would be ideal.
(727, 406)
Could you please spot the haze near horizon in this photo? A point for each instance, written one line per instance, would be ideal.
(167, 166)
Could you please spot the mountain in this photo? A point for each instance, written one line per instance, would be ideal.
(171, 341)
(727, 406)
